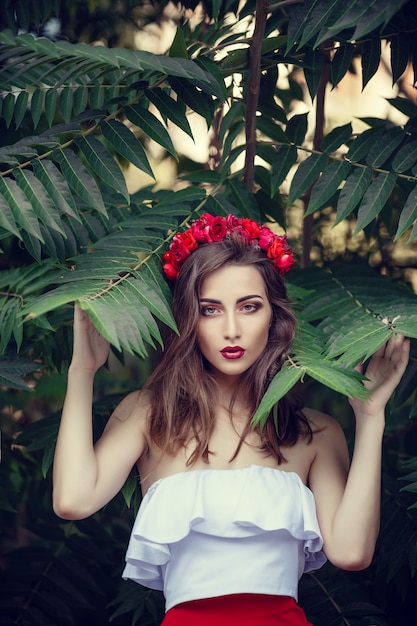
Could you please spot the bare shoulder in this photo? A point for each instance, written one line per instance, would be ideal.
(327, 431)
(131, 413)
(133, 406)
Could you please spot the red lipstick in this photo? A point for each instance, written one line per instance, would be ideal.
(233, 352)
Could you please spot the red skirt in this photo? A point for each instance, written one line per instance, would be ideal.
(238, 610)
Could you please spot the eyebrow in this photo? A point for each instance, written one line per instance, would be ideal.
(213, 301)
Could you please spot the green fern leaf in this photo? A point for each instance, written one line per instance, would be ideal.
(20, 108)
(66, 99)
(306, 174)
(371, 58)
(406, 157)
(189, 93)
(408, 214)
(352, 192)
(335, 376)
(41, 202)
(285, 158)
(319, 15)
(341, 63)
(61, 296)
(150, 296)
(361, 341)
(374, 199)
(170, 108)
(12, 371)
(56, 186)
(271, 129)
(336, 138)
(377, 14)
(51, 100)
(7, 220)
(36, 106)
(20, 207)
(8, 108)
(126, 144)
(360, 147)
(97, 96)
(281, 384)
(296, 128)
(299, 18)
(9, 316)
(404, 105)
(103, 164)
(80, 180)
(384, 147)
(121, 333)
(327, 185)
(80, 100)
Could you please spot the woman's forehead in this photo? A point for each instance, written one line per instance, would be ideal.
(233, 278)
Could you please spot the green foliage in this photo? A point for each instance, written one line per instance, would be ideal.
(74, 116)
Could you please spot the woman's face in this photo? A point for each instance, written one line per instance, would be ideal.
(235, 316)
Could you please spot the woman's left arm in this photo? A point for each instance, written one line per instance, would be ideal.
(348, 499)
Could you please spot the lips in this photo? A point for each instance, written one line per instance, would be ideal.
(232, 352)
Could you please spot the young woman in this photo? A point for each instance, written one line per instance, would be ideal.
(231, 515)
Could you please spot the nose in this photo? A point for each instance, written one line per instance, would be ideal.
(232, 329)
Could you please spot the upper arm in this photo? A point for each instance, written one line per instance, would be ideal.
(122, 443)
(329, 471)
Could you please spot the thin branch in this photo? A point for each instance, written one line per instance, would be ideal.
(379, 170)
(8, 294)
(252, 97)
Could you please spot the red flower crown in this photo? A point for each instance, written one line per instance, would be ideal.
(209, 229)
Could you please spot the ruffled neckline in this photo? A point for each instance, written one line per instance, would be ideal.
(209, 470)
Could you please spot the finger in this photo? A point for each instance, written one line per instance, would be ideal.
(381, 352)
(402, 355)
(81, 316)
(394, 345)
(359, 367)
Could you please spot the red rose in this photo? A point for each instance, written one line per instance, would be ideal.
(179, 252)
(276, 249)
(200, 228)
(169, 266)
(251, 227)
(187, 239)
(266, 237)
(170, 270)
(232, 222)
(217, 229)
(285, 262)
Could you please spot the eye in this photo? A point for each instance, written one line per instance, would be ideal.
(209, 311)
(250, 307)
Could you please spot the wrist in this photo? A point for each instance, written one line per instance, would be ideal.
(372, 422)
(76, 370)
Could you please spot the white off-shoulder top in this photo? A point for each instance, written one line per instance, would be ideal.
(207, 533)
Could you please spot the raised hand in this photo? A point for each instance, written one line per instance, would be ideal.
(384, 372)
(90, 350)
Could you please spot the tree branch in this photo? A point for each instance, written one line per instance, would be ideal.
(252, 98)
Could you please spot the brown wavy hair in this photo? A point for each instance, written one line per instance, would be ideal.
(181, 386)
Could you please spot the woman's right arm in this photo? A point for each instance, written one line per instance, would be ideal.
(86, 477)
